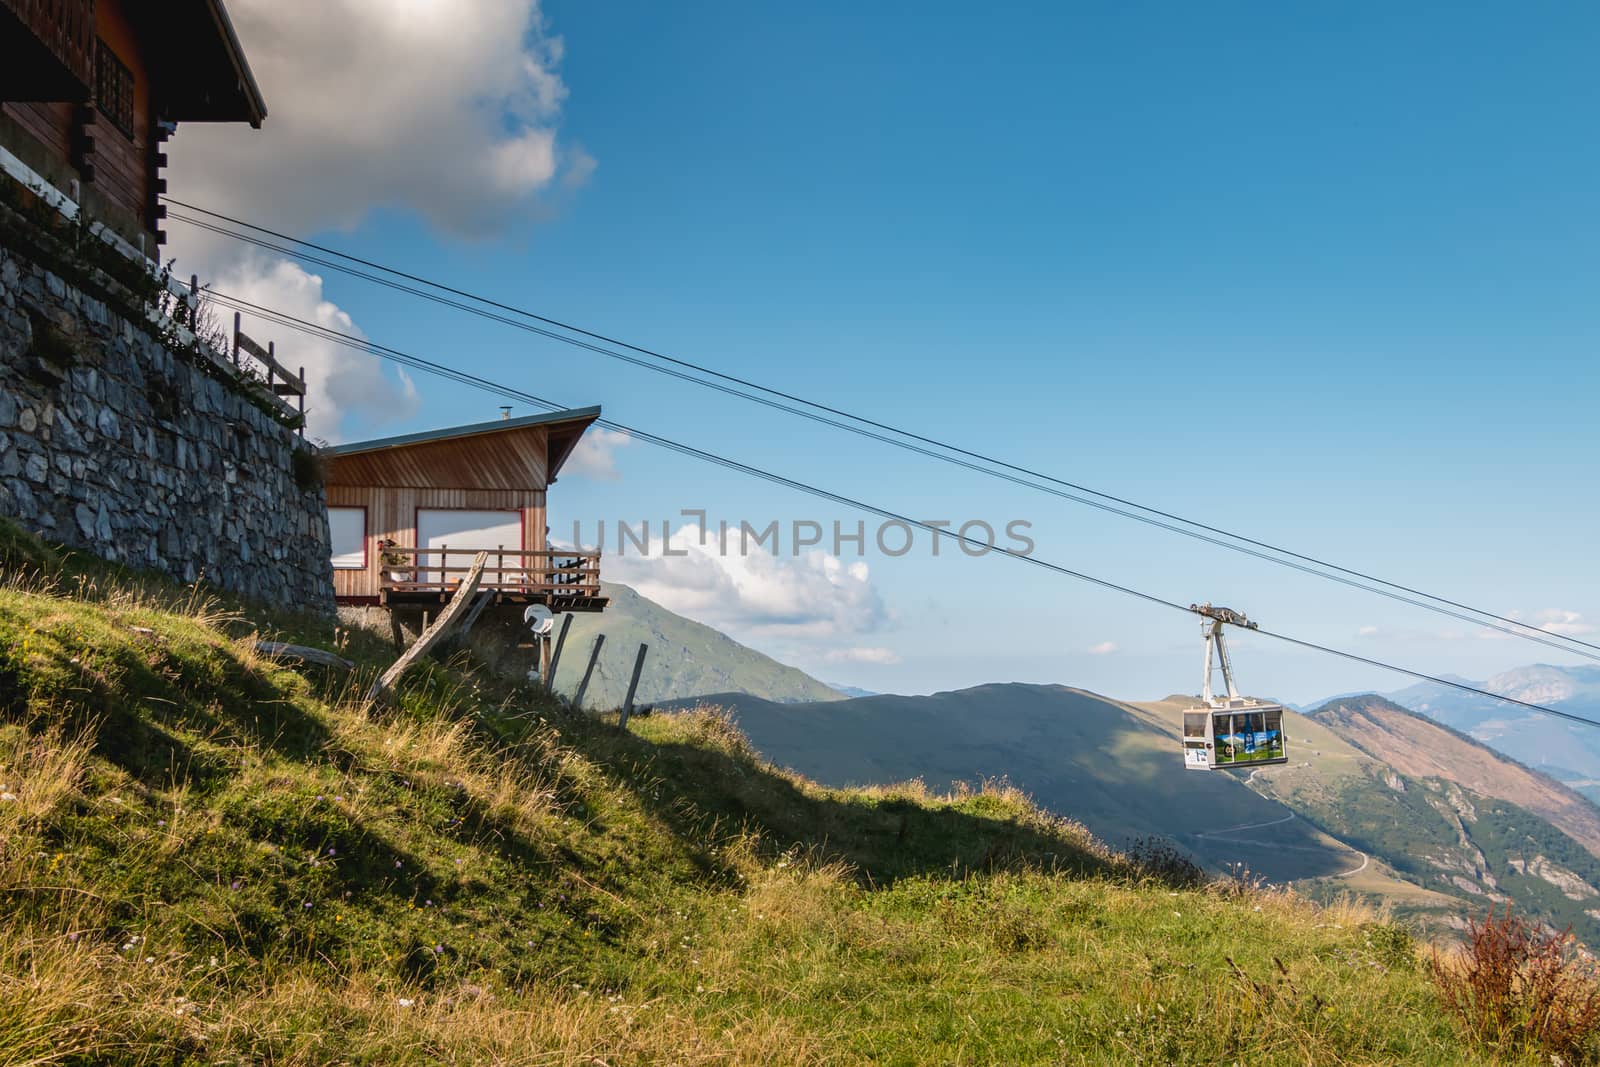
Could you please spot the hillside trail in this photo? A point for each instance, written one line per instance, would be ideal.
(1365, 859)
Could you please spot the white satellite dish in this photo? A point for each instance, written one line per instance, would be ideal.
(539, 619)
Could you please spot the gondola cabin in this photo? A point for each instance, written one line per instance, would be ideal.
(407, 515)
(1230, 731)
(1250, 735)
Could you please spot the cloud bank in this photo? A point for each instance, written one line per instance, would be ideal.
(446, 110)
(757, 598)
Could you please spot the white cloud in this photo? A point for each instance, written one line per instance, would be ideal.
(754, 597)
(1565, 623)
(1104, 648)
(1559, 621)
(596, 454)
(1367, 631)
(870, 655)
(447, 110)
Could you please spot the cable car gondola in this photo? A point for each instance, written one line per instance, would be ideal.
(1230, 731)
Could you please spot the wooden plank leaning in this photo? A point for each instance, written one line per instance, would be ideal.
(430, 637)
(321, 657)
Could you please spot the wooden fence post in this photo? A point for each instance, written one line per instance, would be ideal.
(555, 659)
(431, 635)
(583, 686)
(633, 687)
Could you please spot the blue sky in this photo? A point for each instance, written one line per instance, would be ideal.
(1326, 278)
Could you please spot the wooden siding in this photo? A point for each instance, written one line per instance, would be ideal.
(122, 165)
(513, 460)
(49, 124)
(392, 513)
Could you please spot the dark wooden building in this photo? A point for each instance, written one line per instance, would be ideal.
(91, 89)
(406, 515)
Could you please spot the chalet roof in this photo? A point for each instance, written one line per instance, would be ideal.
(203, 75)
(503, 459)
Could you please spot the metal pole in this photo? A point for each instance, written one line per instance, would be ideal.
(633, 687)
(583, 686)
(555, 659)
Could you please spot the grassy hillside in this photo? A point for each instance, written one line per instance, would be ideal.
(685, 660)
(205, 856)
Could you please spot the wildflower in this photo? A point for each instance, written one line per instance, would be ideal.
(330, 851)
(405, 1002)
(397, 865)
(308, 904)
(8, 796)
(235, 884)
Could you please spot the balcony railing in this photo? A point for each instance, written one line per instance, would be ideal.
(541, 575)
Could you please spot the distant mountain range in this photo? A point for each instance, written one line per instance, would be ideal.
(1564, 750)
(1375, 799)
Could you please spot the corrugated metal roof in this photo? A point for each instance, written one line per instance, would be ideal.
(584, 415)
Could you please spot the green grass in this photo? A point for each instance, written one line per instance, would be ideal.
(211, 858)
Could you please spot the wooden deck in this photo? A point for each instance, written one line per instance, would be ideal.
(560, 580)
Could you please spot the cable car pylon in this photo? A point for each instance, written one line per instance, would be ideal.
(1231, 730)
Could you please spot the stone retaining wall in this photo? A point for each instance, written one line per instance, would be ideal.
(113, 443)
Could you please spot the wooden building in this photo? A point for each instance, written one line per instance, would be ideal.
(90, 90)
(407, 515)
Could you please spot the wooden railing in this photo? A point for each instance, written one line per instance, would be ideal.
(551, 572)
(279, 380)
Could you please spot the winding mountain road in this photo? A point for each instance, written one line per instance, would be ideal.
(1365, 859)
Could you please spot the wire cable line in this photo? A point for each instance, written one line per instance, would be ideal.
(511, 393)
(905, 439)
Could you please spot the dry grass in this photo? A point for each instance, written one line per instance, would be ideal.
(38, 771)
(220, 860)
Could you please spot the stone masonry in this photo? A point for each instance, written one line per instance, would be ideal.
(112, 443)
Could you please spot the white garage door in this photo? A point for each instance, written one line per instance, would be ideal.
(475, 530)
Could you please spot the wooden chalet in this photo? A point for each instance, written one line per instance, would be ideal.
(406, 515)
(90, 90)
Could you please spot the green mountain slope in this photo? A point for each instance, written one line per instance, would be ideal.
(686, 658)
(206, 856)
(1334, 818)
(1565, 750)
(1422, 748)
(1109, 765)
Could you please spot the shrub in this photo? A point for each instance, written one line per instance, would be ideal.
(1158, 860)
(1517, 986)
(310, 469)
